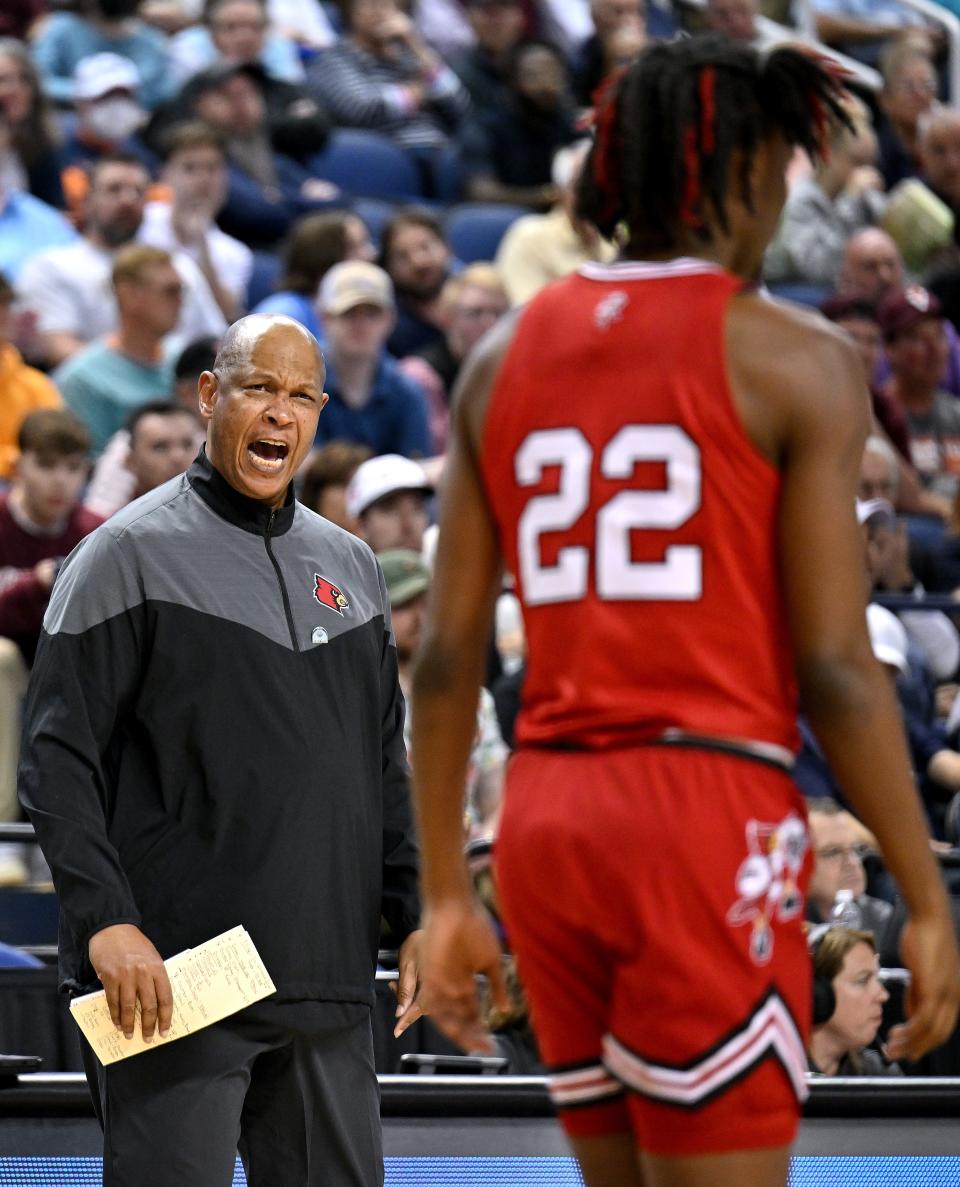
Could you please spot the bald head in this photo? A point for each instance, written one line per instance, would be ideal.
(261, 404)
(939, 144)
(241, 339)
(872, 265)
(938, 119)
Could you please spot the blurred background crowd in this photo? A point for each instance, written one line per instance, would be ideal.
(396, 176)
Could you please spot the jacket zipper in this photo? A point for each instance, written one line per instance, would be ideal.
(283, 589)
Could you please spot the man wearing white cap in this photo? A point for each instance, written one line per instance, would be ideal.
(371, 401)
(388, 496)
(64, 39)
(105, 90)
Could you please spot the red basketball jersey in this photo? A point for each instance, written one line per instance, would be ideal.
(637, 516)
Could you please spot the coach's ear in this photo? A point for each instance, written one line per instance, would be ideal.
(208, 392)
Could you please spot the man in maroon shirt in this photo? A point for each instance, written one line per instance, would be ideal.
(859, 318)
(41, 520)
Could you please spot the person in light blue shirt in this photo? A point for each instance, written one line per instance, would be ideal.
(234, 31)
(27, 226)
(863, 28)
(316, 243)
(108, 379)
(107, 26)
(103, 386)
(299, 306)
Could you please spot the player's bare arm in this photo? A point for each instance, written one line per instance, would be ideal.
(458, 938)
(806, 407)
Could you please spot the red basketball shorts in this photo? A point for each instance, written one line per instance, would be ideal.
(654, 899)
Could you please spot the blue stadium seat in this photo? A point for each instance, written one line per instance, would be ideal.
(263, 278)
(374, 212)
(368, 165)
(475, 229)
(447, 176)
(802, 293)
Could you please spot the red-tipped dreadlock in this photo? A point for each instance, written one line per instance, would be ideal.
(690, 212)
(606, 152)
(708, 108)
(683, 112)
(690, 206)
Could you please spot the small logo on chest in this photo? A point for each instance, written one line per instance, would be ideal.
(330, 595)
(610, 309)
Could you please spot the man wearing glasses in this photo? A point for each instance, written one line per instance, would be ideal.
(837, 842)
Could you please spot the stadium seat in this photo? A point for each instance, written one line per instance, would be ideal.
(263, 278)
(475, 229)
(368, 165)
(374, 212)
(447, 176)
(803, 294)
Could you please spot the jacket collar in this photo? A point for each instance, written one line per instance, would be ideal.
(249, 514)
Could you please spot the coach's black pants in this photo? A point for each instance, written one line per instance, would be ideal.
(291, 1086)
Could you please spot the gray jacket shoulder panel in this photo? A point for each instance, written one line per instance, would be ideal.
(170, 546)
(95, 583)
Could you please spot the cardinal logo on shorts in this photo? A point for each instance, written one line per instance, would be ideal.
(767, 882)
(330, 595)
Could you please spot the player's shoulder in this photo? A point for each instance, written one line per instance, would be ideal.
(791, 351)
(791, 373)
(759, 317)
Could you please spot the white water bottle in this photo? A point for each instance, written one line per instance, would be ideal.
(845, 911)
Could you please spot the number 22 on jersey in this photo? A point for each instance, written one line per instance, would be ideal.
(677, 577)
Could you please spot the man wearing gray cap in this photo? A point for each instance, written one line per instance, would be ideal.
(371, 401)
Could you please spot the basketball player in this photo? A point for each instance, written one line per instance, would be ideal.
(668, 461)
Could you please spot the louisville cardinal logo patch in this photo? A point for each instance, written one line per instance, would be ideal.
(328, 594)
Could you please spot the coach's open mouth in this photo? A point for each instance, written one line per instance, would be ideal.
(268, 454)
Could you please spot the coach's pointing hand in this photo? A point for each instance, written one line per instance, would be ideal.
(407, 987)
(129, 967)
(459, 942)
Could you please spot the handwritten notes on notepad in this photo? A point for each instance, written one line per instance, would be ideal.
(209, 983)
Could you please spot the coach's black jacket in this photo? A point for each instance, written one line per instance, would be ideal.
(214, 737)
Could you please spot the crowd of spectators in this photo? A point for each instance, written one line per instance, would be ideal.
(169, 165)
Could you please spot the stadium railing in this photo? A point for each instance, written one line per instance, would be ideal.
(806, 23)
(804, 34)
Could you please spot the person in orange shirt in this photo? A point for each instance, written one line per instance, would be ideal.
(23, 389)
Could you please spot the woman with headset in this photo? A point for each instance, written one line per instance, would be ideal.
(848, 999)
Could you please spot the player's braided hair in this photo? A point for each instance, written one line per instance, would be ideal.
(667, 128)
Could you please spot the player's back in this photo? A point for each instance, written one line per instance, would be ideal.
(638, 517)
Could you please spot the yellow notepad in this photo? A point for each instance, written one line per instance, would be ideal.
(209, 982)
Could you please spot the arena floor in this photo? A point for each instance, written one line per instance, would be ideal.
(441, 1131)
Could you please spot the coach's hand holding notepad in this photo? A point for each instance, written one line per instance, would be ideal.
(209, 982)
